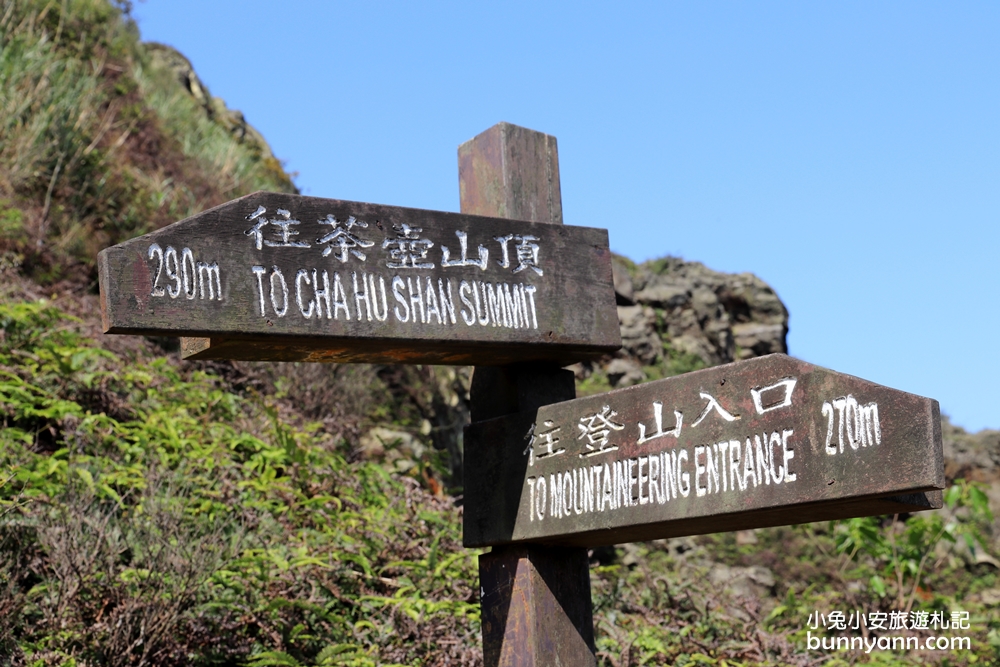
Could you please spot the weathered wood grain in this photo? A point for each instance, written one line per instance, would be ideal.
(812, 445)
(511, 172)
(536, 604)
(285, 277)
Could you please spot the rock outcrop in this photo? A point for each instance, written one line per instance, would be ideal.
(719, 317)
(677, 316)
(167, 57)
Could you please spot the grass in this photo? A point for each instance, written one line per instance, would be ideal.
(97, 144)
(159, 513)
(150, 512)
(150, 509)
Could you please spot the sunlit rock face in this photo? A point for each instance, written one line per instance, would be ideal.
(720, 317)
(677, 316)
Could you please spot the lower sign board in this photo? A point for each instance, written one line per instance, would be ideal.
(284, 277)
(755, 443)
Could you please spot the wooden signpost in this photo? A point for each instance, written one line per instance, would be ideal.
(761, 442)
(282, 277)
(506, 287)
(535, 599)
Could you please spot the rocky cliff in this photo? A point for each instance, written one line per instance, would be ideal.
(677, 316)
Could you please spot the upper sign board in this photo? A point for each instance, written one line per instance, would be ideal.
(762, 442)
(285, 277)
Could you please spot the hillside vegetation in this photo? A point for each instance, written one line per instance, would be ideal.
(98, 145)
(159, 512)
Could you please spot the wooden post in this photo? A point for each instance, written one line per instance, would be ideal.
(536, 600)
(274, 276)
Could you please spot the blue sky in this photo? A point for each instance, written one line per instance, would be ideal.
(847, 153)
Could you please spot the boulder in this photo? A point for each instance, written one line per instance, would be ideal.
(718, 317)
(753, 339)
(624, 373)
(639, 337)
(663, 292)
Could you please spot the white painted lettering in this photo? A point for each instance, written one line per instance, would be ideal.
(416, 300)
(209, 273)
(840, 404)
(872, 425)
(749, 469)
(788, 455)
(631, 480)
(684, 478)
(712, 466)
(191, 278)
(828, 413)
(397, 284)
(504, 305)
(339, 298)
(156, 251)
(583, 475)
(595, 482)
(282, 289)
(569, 489)
(735, 476)
(530, 291)
(490, 297)
(762, 460)
(300, 277)
(384, 313)
(541, 497)
(658, 421)
(669, 464)
(432, 304)
(771, 402)
(857, 424)
(567, 499)
(463, 243)
(513, 301)
(556, 495)
(468, 317)
(713, 404)
(723, 457)
(621, 485)
(361, 295)
(190, 286)
(655, 494)
(779, 474)
(642, 479)
(447, 301)
(482, 315)
(607, 489)
(322, 295)
(699, 470)
(850, 419)
(172, 268)
(259, 271)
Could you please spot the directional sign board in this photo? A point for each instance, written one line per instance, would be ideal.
(285, 277)
(762, 442)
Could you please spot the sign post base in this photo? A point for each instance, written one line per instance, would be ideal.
(536, 607)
